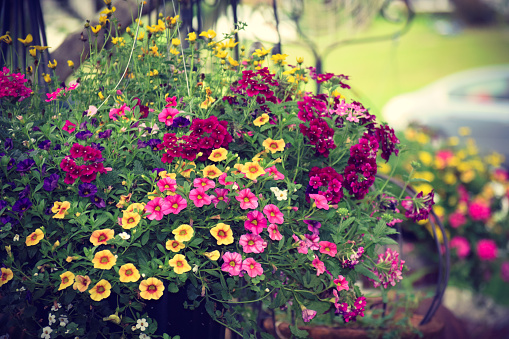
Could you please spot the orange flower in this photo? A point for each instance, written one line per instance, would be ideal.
(179, 264)
(252, 170)
(124, 199)
(34, 238)
(67, 279)
(174, 245)
(6, 275)
(223, 234)
(274, 145)
(81, 283)
(60, 208)
(129, 273)
(130, 220)
(183, 233)
(104, 260)
(101, 237)
(100, 291)
(151, 288)
(261, 120)
(211, 172)
(218, 154)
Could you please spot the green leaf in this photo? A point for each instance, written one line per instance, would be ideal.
(298, 332)
(145, 238)
(173, 288)
(161, 248)
(195, 242)
(380, 228)
(362, 269)
(387, 241)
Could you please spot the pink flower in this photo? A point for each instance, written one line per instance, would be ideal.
(319, 265)
(312, 241)
(252, 243)
(247, 199)
(457, 219)
(157, 208)
(199, 197)
(119, 111)
(329, 248)
(167, 184)
(487, 249)
(232, 263)
(167, 115)
(221, 195)
(176, 203)
(255, 222)
(54, 95)
(341, 283)
(461, 245)
(320, 201)
(273, 171)
(222, 180)
(313, 226)
(171, 101)
(479, 211)
(274, 232)
(303, 247)
(252, 267)
(92, 110)
(72, 86)
(69, 127)
(273, 214)
(307, 314)
(206, 183)
(504, 271)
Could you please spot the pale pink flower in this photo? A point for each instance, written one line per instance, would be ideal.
(200, 197)
(273, 213)
(72, 86)
(319, 265)
(167, 184)
(320, 201)
(157, 208)
(252, 267)
(176, 203)
(307, 314)
(167, 115)
(327, 247)
(341, 283)
(232, 263)
(274, 232)
(221, 195)
(252, 243)
(92, 110)
(255, 222)
(487, 249)
(247, 199)
(205, 183)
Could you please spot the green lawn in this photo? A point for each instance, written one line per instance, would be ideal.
(381, 70)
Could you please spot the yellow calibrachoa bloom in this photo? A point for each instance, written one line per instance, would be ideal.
(140, 207)
(27, 40)
(96, 29)
(191, 37)
(164, 174)
(6, 275)
(101, 237)
(183, 233)
(151, 288)
(67, 279)
(175, 41)
(426, 158)
(130, 220)
(219, 154)
(174, 245)
(179, 264)
(211, 172)
(100, 291)
(81, 283)
(210, 34)
(261, 120)
(60, 208)
(223, 234)
(34, 238)
(252, 170)
(104, 260)
(186, 173)
(274, 145)
(128, 273)
(214, 255)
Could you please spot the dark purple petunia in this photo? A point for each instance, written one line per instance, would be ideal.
(36, 129)
(94, 122)
(51, 183)
(2, 155)
(87, 190)
(3, 204)
(84, 135)
(104, 135)
(83, 125)
(97, 146)
(25, 165)
(98, 201)
(158, 170)
(8, 144)
(45, 145)
(142, 144)
(180, 122)
(152, 143)
(22, 205)
(25, 192)
(57, 147)
(11, 164)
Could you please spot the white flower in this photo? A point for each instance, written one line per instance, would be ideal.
(16, 237)
(35, 275)
(274, 190)
(142, 324)
(46, 332)
(56, 307)
(143, 275)
(124, 236)
(282, 195)
(144, 336)
(69, 307)
(133, 328)
(195, 268)
(63, 320)
(52, 319)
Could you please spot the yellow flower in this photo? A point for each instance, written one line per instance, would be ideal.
(108, 11)
(6, 38)
(70, 63)
(191, 37)
(81, 283)
(252, 170)
(425, 188)
(60, 208)
(384, 168)
(426, 158)
(274, 145)
(101, 96)
(66, 280)
(141, 35)
(175, 42)
(425, 175)
(174, 245)
(179, 264)
(164, 174)
(210, 34)
(41, 48)
(464, 131)
(206, 104)
(211, 172)
(173, 20)
(261, 120)
(467, 176)
(96, 29)
(221, 54)
(186, 168)
(136, 207)
(114, 318)
(422, 138)
(34, 238)
(261, 52)
(300, 60)
(118, 40)
(494, 159)
(223, 234)
(450, 178)
(174, 51)
(101, 237)
(33, 52)
(104, 260)
(183, 233)
(130, 220)
(103, 19)
(128, 273)
(214, 255)
(6, 275)
(47, 78)
(279, 58)
(27, 40)
(100, 291)
(219, 154)
(151, 288)
(336, 93)
(233, 62)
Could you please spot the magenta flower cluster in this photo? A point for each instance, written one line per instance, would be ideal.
(420, 207)
(87, 172)
(389, 269)
(327, 182)
(12, 85)
(257, 84)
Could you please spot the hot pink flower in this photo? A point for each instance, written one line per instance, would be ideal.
(273, 171)
(167, 184)
(341, 283)
(205, 183)
(157, 208)
(54, 95)
(222, 180)
(487, 249)
(176, 203)
(504, 271)
(274, 232)
(461, 245)
(457, 219)
(221, 195)
(247, 199)
(319, 265)
(303, 247)
(167, 115)
(313, 226)
(320, 201)
(255, 222)
(479, 211)
(171, 101)
(252, 243)
(273, 214)
(69, 127)
(329, 248)
(312, 241)
(72, 86)
(199, 197)
(119, 112)
(232, 263)
(252, 267)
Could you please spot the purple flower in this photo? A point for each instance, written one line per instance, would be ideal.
(87, 190)
(179, 122)
(36, 129)
(11, 164)
(98, 201)
(51, 183)
(25, 165)
(94, 122)
(158, 170)
(83, 125)
(8, 144)
(152, 143)
(45, 145)
(97, 146)
(22, 205)
(84, 135)
(313, 226)
(142, 144)
(25, 192)
(104, 135)
(57, 147)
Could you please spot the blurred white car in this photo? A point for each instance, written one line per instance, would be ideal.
(477, 98)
